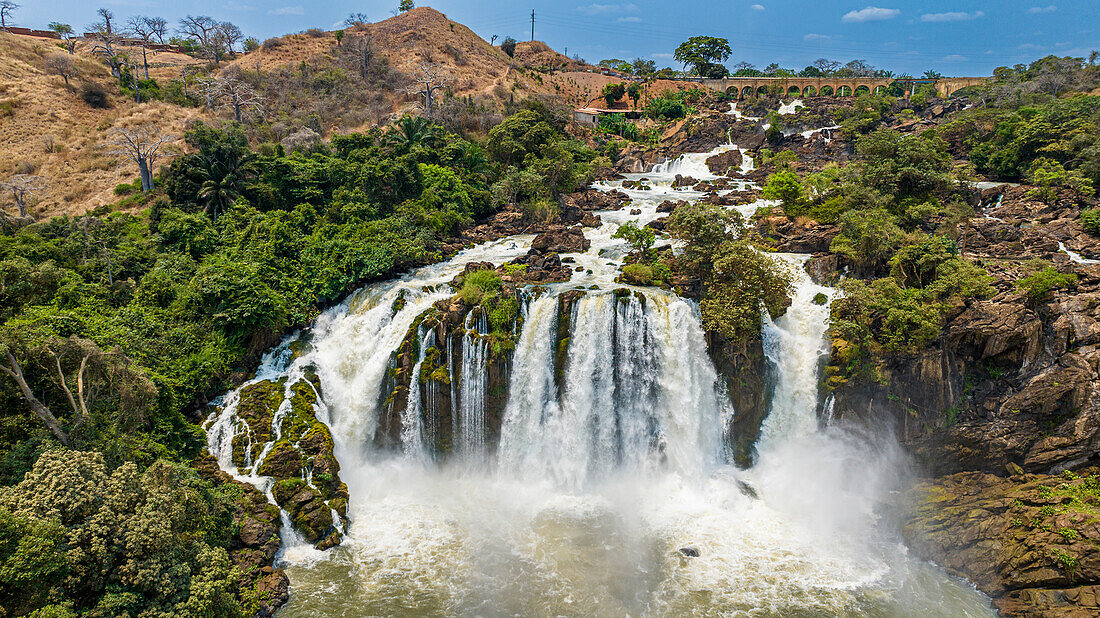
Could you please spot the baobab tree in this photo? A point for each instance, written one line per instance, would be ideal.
(428, 78)
(23, 186)
(105, 39)
(144, 146)
(213, 38)
(361, 48)
(7, 9)
(231, 88)
(147, 30)
(61, 64)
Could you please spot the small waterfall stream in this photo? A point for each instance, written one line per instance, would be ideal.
(610, 459)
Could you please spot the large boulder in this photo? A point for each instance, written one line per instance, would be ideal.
(720, 164)
(562, 240)
(593, 199)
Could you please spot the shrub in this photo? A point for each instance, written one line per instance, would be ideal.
(743, 284)
(477, 284)
(1090, 219)
(94, 94)
(668, 106)
(273, 43)
(315, 33)
(613, 92)
(251, 44)
(637, 274)
(639, 238)
(1039, 285)
(128, 188)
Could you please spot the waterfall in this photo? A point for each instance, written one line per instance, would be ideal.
(636, 390)
(794, 344)
(610, 460)
(473, 379)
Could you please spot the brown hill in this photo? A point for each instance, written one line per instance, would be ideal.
(46, 129)
(307, 79)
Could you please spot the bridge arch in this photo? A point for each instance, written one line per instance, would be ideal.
(844, 90)
(861, 89)
(793, 90)
(762, 91)
(746, 92)
(809, 91)
(827, 91)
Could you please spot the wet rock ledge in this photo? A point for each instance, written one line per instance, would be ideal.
(1030, 541)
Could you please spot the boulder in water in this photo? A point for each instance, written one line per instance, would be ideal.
(690, 552)
(565, 240)
(720, 164)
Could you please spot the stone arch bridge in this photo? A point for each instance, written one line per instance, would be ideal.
(831, 86)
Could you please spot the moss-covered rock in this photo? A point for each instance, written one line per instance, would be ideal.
(1032, 542)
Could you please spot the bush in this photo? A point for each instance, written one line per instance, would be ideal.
(1039, 285)
(94, 94)
(637, 274)
(668, 106)
(478, 284)
(128, 188)
(1090, 219)
(273, 43)
(251, 44)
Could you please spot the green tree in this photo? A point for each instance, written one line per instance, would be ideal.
(405, 5)
(704, 54)
(640, 239)
(508, 46)
(613, 92)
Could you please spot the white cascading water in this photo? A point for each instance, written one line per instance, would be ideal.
(471, 415)
(607, 466)
(795, 345)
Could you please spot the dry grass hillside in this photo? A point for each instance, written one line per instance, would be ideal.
(47, 130)
(307, 79)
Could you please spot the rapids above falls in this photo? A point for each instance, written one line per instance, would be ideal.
(610, 469)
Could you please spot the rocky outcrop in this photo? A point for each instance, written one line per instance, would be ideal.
(255, 542)
(721, 164)
(298, 457)
(746, 373)
(1032, 542)
(561, 240)
(679, 182)
(594, 199)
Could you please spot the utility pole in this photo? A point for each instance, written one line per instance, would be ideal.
(532, 24)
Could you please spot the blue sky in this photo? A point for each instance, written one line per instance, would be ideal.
(955, 37)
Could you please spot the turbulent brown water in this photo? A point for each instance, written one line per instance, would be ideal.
(603, 485)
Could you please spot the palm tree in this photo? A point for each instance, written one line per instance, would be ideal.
(223, 180)
(410, 131)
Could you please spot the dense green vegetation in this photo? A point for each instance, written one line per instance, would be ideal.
(121, 326)
(739, 281)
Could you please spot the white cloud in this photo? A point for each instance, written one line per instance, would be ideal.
(1042, 9)
(757, 7)
(662, 56)
(954, 58)
(952, 16)
(603, 9)
(871, 13)
(632, 19)
(813, 36)
(288, 10)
